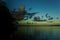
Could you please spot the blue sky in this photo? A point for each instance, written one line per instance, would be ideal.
(42, 6)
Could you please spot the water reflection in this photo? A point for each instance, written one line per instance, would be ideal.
(40, 32)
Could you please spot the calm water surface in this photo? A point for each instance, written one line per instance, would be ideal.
(40, 32)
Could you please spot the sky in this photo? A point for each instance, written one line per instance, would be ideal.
(52, 7)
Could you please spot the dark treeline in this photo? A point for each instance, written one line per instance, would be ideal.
(7, 27)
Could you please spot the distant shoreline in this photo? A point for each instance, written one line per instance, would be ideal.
(40, 23)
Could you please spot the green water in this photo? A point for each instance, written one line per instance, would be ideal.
(49, 32)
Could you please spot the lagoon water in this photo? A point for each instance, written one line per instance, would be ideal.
(40, 32)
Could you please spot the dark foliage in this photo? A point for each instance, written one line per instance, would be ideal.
(7, 27)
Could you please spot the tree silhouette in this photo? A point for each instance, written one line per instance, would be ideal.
(57, 18)
(20, 15)
(37, 18)
(46, 15)
(6, 21)
(50, 18)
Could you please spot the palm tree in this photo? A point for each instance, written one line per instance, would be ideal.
(50, 18)
(32, 14)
